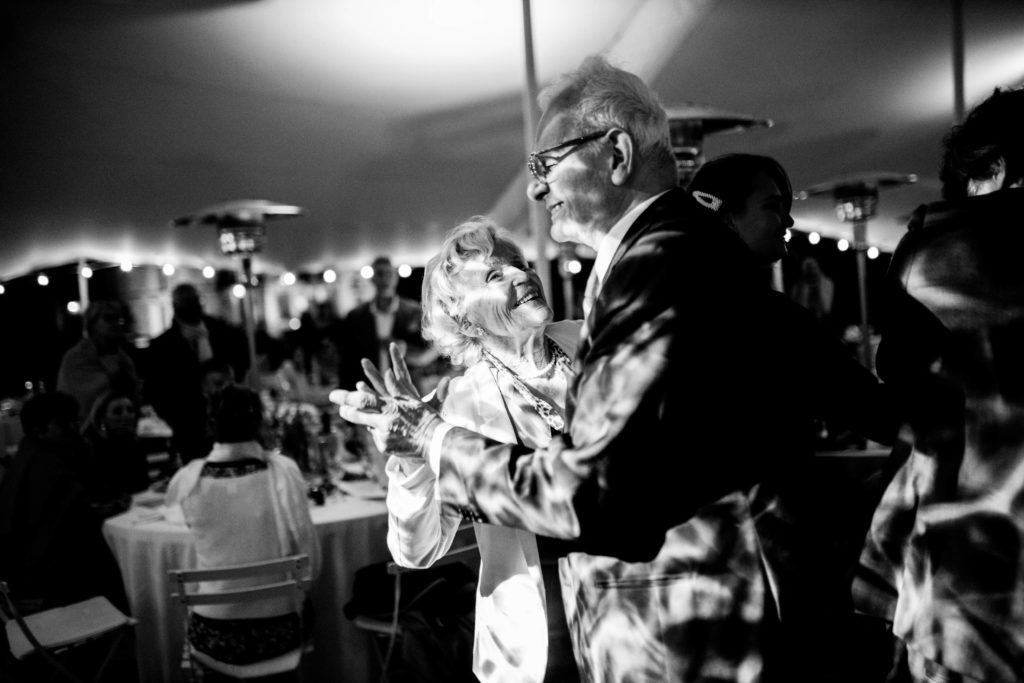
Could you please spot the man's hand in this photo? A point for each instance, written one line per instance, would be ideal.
(400, 423)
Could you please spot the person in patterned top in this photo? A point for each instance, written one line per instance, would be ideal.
(944, 559)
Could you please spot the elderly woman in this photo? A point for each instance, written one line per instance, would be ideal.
(484, 308)
(99, 361)
(244, 504)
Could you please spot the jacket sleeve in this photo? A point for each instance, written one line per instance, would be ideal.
(418, 531)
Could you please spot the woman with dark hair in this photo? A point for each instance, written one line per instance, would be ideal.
(244, 504)
(111, 432)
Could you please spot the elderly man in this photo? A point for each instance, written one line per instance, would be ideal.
(666, 419)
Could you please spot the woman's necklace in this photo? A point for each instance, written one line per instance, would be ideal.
(548, 413)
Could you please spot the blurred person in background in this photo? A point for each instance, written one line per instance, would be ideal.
(173, 377)
(244, 504)
(100, 360)
(53, 551)
(484, 309)
(814, 290)
(368, 329)
(943, 563)
(281, 376)
(118, 455)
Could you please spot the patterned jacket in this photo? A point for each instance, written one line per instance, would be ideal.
(944, 560)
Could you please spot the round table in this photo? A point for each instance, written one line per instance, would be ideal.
(353, 533)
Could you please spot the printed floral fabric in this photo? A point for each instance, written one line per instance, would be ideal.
(244, 641)
(944, 559)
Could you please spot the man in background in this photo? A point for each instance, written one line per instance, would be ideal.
(174, 377)
(368, 329)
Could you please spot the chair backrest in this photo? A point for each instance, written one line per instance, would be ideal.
(295, 567)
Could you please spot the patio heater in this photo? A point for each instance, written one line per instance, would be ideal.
(241, 233)
(856, 201)
(690, 123)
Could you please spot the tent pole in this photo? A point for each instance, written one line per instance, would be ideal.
(860, 245)
(249, 318)
(533, 209)
(958, 61)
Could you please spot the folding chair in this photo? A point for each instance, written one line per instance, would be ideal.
(285, 577)
(55, 633)
(386, 632)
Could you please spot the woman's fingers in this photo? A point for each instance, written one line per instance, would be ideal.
(372, 374)
(404, 379)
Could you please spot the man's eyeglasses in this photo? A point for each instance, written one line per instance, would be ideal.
(540, 163)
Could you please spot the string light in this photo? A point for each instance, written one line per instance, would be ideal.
(788, 236)
(74, 308)
(168, 269)
(813, 237)
(238, 290)
(573, 266)
(126, 266)
(873, 252)
(294, 324)
(843, 245)
(366, 272)
(43, 280)
(288, 279)
(2, 289)
(330, 276)
(86, 272)
(404, 270)
(209, 272)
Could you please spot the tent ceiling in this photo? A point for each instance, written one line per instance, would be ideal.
(392, 120)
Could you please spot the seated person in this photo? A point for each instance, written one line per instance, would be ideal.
(279, 376)
(111, 432)
(244, 504)
(53, 552)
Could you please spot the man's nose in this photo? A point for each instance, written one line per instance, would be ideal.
(788, 222)
(536, 189)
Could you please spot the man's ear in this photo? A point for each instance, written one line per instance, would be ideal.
(624, 153)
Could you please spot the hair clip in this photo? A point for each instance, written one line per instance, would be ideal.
(707, 200)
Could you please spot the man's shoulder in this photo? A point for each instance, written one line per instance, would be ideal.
(673, 218)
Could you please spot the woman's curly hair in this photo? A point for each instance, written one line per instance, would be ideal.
(444, 321)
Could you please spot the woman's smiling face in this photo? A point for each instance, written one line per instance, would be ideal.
(502, 294)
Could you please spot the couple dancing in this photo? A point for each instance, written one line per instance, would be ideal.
(602, 462)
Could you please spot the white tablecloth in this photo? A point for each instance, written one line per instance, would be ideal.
(352, 534)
